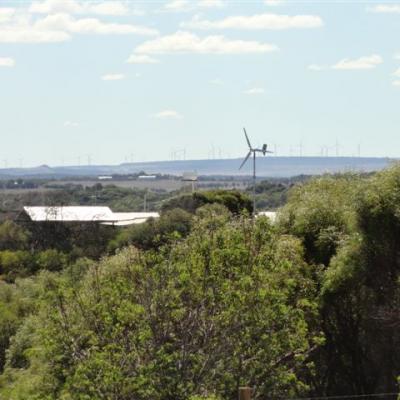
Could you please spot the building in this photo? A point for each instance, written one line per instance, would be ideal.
(269, 214)
(100, 215)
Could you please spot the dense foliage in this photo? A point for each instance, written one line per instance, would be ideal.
(231, 304)
(351, 227)
(171, 225)
(206, 299)
(235, 201)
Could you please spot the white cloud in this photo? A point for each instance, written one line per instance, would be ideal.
(185, 42)
(71, 124)
(396, 83)
(255, 91)
(177, 5)
(7, 62)
(397, 56)
(257, 22)
(22, 27)
(361, 63)
(65, 22)
(142, 59)
(217, 81)
(115, 8)
(315, 67)
(168, 114)
(397, 73)
(56, 6)
(211, 4)
(191, 5)
(368, 62)
(6, 13)
(385, 9)
(273, 2)
(113, 77)
(31, 35)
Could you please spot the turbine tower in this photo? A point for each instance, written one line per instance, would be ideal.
(253, 151)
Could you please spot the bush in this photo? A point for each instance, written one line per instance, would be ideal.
(230, 305)
(321, 213)
(51, 260)
(172, 225)
(235, 201)
(16, 264)
(13, 237)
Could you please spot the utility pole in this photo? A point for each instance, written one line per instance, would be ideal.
(254, 182)
(245, 393)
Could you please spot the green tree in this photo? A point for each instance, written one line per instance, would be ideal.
(172, 225)
(13, 236)
(351, 225)
(17, 263)
(232, 304)
(322, 214)
(16, 302)
(235, 201)
(51, 260)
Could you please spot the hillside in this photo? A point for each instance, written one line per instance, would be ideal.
(266, 167)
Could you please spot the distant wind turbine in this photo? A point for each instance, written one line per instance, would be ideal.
(253, 151)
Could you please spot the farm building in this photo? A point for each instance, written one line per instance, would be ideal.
(89, 214)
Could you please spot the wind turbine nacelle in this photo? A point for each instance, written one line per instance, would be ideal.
(264, 149)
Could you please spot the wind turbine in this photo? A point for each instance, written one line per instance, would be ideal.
(253, 151)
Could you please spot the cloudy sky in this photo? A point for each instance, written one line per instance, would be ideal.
(115, 81)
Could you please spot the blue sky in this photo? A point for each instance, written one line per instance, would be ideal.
(115, 81)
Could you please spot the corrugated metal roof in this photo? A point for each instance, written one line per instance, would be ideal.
(124, 219)
(87, 214)
(69, 213)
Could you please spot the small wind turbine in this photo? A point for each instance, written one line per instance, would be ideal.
(264, 151)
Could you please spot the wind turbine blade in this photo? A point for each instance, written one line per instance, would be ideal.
(245, 160)
(247, 138)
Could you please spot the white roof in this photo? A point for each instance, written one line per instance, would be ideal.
(69, 213)
(269, 214)
(121, 216)
(87, 214)
(124, 219)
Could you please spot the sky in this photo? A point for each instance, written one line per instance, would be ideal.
(106, 82)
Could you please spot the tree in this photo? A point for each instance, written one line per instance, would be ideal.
(172, 225)
(51, 260)
(16, 302)
(321, 213)
(350, 226)
(235, 201)
(16, 264)
(232, 304)
(13, 236)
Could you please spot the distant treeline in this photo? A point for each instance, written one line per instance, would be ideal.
(270, 194)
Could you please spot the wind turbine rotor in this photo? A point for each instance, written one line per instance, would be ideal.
(247, 138)
(245, 160)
